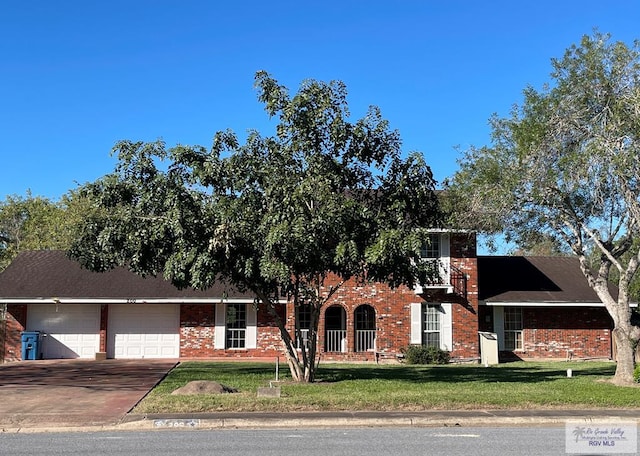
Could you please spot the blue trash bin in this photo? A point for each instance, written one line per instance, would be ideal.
(31, 345)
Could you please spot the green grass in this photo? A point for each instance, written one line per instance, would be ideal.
(397, 387)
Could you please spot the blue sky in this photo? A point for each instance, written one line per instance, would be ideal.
(76, 76)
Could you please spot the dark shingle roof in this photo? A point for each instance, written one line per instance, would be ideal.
(533, 279)
(51, 274)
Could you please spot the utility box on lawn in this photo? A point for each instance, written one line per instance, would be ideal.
(488, 348)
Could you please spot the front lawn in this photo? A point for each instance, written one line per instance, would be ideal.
(396, 387)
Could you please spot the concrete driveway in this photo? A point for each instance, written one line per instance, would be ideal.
(71, 393)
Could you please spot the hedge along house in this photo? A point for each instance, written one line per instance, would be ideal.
(118, 314)
(542, 307)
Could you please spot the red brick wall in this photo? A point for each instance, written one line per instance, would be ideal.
(197, 330)
(465, 311)
(197, 334)
(10, 335)
(580, 332)
(393, 318)
(393, 309)
(269, 341)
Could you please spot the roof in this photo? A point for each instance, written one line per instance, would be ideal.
(513, 279)
(50, 274)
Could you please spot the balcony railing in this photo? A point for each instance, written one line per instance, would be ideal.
(449, 277)
(458, 281)
(365, 340)
(335, 340)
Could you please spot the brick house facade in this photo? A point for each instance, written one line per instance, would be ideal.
(542, 308)
(119, 314)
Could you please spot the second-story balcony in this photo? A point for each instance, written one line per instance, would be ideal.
(448, 279)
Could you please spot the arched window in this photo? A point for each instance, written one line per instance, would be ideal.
(365, 328)
(335, 333)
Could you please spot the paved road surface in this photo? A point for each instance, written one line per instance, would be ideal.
(449, 441)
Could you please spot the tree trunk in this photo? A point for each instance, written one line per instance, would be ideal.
(624, 356)
(301, 363)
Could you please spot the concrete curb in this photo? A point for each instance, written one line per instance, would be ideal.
(231, 421)
(375, 419)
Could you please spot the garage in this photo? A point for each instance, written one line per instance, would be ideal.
(70, 330)
(143, 331)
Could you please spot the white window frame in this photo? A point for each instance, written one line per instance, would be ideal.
(513, 329)
(438, 250)
(431, 249)
(235, 337)
(431, 325)
(250, 330)
(446, 327)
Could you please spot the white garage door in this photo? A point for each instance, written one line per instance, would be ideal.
(71, 330)
(143, 331)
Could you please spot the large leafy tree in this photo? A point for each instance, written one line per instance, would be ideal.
(35, 222)
(296, 214)
(565, 165)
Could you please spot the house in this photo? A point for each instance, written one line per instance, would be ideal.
(535, 306)
(542, 307)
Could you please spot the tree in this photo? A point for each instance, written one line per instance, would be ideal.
(35, 222)
(566, 164)
(540, 244)
(296, 214)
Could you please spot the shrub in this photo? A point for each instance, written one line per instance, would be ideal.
(419, 354)
(636, 374)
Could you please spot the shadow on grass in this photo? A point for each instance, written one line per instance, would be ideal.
(222, 371)
(331, 373)
(459, 374)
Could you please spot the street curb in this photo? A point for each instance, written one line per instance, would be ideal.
(364, 419)
(232, 421)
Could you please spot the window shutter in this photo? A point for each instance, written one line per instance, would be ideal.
(446, 328)
(251, 334)
(416, 323)
(445, 249)
(220, 332)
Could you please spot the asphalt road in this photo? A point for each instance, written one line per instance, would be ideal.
(449, 441)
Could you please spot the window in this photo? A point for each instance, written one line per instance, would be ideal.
(303, 323)
(513, 328)
(335, 332)
(431, 247)
(431, 325)
(365, 328)
(236, 319)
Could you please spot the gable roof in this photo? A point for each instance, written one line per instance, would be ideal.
(51, 275)
(533, 280)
